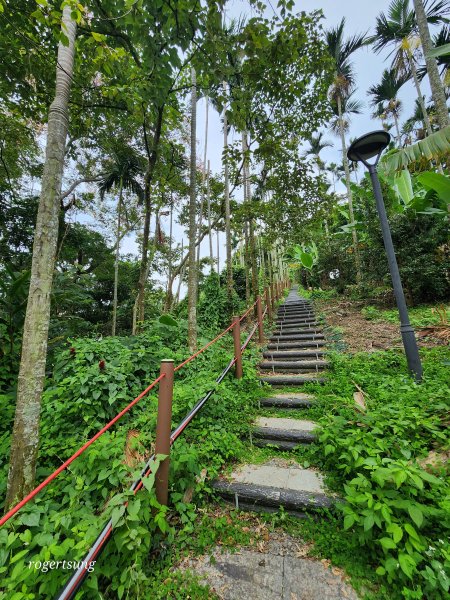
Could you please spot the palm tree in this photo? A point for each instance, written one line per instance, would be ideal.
(440, 8)
(341, 50)
(399, 29)
(440, 39)
(384, 95)
(122, 172)
(25, 435)
(316, 145)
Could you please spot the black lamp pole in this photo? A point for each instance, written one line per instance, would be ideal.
(362, 149)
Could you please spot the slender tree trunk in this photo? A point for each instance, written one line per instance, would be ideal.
(25, 436)
(437, 88)
(192, 263)
(227, 208)
(248, 200)
(218, 252)
(426, 118)
(169, 293)
(397, 128)
(349, 194)
(138, 311)
(116, 262)
(200, 219)
(208, 196)
(247, 265)
(182, 272)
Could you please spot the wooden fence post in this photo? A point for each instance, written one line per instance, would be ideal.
(268, 304)
(260, 320)
(237, 348)
(163, 427)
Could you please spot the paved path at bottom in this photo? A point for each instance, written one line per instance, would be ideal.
(275, 574)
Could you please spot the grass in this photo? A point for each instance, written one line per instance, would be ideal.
(420, 316)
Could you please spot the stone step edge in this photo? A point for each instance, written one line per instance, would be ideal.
(282, 445)
(287, 435)
(272, 497)
(294, 380)
(296, 364)
(287, 402)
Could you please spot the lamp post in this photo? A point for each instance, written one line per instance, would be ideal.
(364, 148)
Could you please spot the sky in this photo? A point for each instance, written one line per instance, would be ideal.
(360, 17)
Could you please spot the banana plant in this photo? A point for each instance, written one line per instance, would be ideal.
(426, 193)
(303, 256)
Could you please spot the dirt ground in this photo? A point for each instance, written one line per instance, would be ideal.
(360, 334)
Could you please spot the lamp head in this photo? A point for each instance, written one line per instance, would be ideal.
(369, 145)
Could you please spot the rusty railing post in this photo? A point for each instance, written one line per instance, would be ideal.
(272, 295)
(163, 427)
(268, 304)
(237, 348)
(260, 320)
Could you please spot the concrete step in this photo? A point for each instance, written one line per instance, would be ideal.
(297, 336)
(297, 316)
(297, 431)
(282, 445)
(298, 401)
(312, 325)
(297, 321)
(297, 330)
(291, 380)
(299, 365)
(291, 487)
(293, 354)
(282, 345)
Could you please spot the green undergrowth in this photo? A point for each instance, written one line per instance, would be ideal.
(420, 316)
(92, 380)
(385, 465)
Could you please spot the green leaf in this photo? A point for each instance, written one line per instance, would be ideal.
(407, 564)
(31, 519)
(387, 543)
(443, 50)
(168, 320)
(18, 556)
(348, 521)
(307, 260)
(437, 182)
(98, 37)
(403, 187)
(416, 515)
(117, 514)
(368, 522)
(397, 532)
(380, 571)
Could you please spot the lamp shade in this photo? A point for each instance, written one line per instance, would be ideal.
(369, 145)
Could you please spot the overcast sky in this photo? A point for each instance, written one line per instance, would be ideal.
(360, 17)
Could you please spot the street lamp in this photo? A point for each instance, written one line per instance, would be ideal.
(364, 148)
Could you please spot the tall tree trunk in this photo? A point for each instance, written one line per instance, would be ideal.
(205, 151)
(208, 197)
(247, 265)
(218, 252)
(426, 118)
(169, 293)
(182, 272)
(248, 201)
(192, 263)
(397, 128)
(116, 262)
(25, 436)
(227, 208)
(349, 194)
(152, 153)
(437, 88)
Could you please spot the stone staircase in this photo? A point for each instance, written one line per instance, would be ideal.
(295, 355)
(295, 352)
